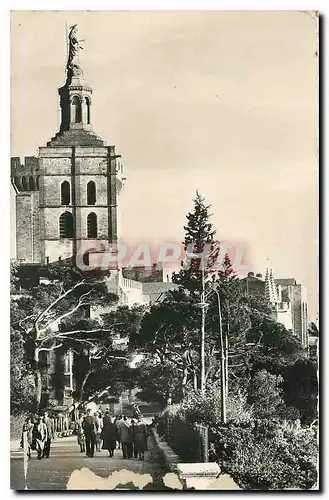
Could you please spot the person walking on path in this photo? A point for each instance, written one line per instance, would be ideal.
(50, 434)
(109, 435)
(28, 428)
(99, 428)
(40, 436)
(133, 443)
(140, 435)
(117, 421)
(107, 418)
(136, 411)
(80, 434)
(89, 427)
(126, 437)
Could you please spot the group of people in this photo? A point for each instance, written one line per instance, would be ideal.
(108, 433)
(37, 435)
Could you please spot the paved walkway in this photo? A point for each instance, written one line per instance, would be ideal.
(53, 473)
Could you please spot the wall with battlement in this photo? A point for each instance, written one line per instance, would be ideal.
(25, 177)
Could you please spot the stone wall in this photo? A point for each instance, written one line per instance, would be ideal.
(297, 295)
(27, 227)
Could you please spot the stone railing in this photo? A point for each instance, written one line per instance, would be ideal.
(197, 476)
(169, 458)
(127, 283)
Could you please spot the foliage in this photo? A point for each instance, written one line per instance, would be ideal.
(282, 354)
(202, 409)
(268, 454)
(54, 314)
(157, 381)
(257, 453)
(182, 437)
(16, 425)
(21, 380)
(265, 394)
(206, 409)
(313, 330)
(169, 336)
(169, 333)
(301, 388)
(199, 238)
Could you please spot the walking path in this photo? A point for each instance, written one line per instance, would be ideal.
(65, 457)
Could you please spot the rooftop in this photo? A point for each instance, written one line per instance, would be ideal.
(156, 289)
(285, 281)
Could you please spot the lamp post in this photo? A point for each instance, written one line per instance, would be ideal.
(202, 305)
(223, 360)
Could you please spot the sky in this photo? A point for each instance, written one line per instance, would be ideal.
(221, 102)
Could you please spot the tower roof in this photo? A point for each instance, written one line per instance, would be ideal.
(75, 101)
(271, 292)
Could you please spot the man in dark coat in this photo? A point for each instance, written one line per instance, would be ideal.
(89, 427)
(109, 434)
(140, 435)
(50, 434)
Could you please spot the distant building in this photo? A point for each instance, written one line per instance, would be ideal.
(288, 299)
(313, 347)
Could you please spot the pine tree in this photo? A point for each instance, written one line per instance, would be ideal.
(199, 239)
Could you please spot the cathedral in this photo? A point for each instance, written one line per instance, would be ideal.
(288, 300)
(67, 201)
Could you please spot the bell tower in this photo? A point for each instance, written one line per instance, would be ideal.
(80, 177)
(75, 95)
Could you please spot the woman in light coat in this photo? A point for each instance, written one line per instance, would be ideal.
(28, 440)
(81, 434)
(40, 436)
(99, 428)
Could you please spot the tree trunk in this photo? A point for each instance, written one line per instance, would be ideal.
(37, 380)
(185, 374)
(184, 381)
(195, 381)
(226, 352)
(89, 372)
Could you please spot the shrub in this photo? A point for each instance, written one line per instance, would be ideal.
(16, 426)
(206, 409)
(180, 434)
(268, 455)
(201, 409)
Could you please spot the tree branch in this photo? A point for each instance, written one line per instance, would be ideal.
(60, 335)
(25, 319)
(45, 311)
(50, 348)
(69, 313)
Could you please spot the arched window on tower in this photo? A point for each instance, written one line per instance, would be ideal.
(24, 184)
(65, 193)
(91, 193)
(38, 182)
(77, 109)
(66, 225)
(31, 183)
(88, 109)
(92, 225)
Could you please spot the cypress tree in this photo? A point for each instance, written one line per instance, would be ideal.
(199, 239)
